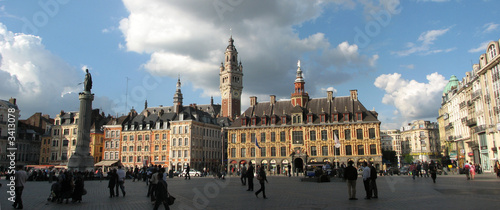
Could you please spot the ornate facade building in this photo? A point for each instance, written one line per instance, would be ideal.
(420, 139)
(275, 134)
(469, 116)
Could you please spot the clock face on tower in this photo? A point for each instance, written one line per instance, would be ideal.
(236, 93)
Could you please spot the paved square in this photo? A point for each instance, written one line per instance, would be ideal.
(395, 192)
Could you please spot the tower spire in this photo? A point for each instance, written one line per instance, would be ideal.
(299, 96)
(178, 96)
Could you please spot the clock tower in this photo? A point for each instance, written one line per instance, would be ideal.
(231, 82)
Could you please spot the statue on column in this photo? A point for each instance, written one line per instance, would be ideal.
(88, 81)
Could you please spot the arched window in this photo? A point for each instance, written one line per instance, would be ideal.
(492, 52)
(173, 142)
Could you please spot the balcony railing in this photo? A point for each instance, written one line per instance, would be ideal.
(480, 128)
(471, 122)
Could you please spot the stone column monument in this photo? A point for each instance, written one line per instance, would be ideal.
(81, 160)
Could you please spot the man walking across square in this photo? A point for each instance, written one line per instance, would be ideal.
(250, 176)
(367, 180)
(373, 183)
(121, 180)
(20, 179)
(351, 174)
(243, 175)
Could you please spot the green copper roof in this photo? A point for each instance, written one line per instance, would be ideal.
(453, 83)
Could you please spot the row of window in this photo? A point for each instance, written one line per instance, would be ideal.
(297, 136)
(297, 119)
(112, 134)
(146, 148)
(66, 131)
(130, 159)
(313, 151)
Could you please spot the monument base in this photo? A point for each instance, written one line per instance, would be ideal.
(81, 163)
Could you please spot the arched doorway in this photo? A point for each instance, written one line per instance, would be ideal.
(298, 165)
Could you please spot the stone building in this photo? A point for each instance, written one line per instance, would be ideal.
(302, 130)
(420, 139)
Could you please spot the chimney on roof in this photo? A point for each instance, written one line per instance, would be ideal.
(354, 95)
(253, 100)
(12, 100)
(61, 113)
(273, 99)
(329, 96)
(211, 100)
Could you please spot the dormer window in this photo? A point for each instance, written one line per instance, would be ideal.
(254, 121)
(147, 126)
(296, 119)
(273, 120)
(264, 120)
(309, 118)
(140, 127)
(359, 116)
(283, 120)
(243, 121)
(335, 117)
(322, 117)
(346, 117)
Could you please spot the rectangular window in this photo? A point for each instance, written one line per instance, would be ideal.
(124, 159)
(282, 136)
(336, 134)
(139, 148)
(273, 137)
(313, 151)
(346, 117)
(185, 153)
(347, 134)
(131, 137)
(273, 151)
(297, 137)
(348, 150)
(371, 133)
(373, 149)
(335, 117)
(323, 118)
(252, 152)
(243, 152)
(283, 120)
(359, 116)
(309, 118)
(124, 138)
(138, 158)
(124, 149)
(324, 150)
(173, 153)
(163, 158)
(157, 136)
(254, 121)
(359, 133)
(337, 150)
(263, 152)
(361, 150)
(252, 137)
(233, 138)
(131, 148)
(139, 137)
(243, 138)
(312, 135)
(130, 159)
(283, 151)
(164, 147)
(66, 131)
(262, 137)
(324, 135)
(157, 147)
(164, 136)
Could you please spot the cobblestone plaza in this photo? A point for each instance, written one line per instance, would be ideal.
(395, 192)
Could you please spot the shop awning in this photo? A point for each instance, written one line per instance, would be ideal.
(106, 163)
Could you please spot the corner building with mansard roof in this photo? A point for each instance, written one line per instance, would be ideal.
(303, 130)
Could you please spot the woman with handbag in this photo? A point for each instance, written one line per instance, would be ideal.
(261, 176)
(162, 195)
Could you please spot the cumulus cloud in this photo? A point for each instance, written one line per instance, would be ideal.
(38, 79)
(189, 38)
(412, 99)
(424, 44)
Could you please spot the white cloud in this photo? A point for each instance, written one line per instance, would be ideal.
(409, 66)
(414, 100)
(489, 27)
(425, 41)
(481, 47)
(264, 34)
(34, 76)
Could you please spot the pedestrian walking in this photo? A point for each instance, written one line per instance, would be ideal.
(261, 176)
(20, 179)
(373, 181)
(161, 192)
(113, 178)
(79, 188)
(187, 172)
(289, 170)
(366, 180)
(497, 169)
(250, 176)
(433, 170)
(419, 169)
(426, 169)
(467, 169)
(413, 169)
(153, 182)
(472, 170)
(121, 181)
(243, 175)
(351, 174)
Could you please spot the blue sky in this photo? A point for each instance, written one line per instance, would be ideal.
(397, 54)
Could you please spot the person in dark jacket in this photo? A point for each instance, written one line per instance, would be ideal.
(433, 170)
(373, 179)
(112, 182)
(261, 176)
(79, 187)
(161, 192)
(250, 176)
(351, 174)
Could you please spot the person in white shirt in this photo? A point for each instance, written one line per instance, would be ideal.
(20, 179)
(121, 181)
(366, 180)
